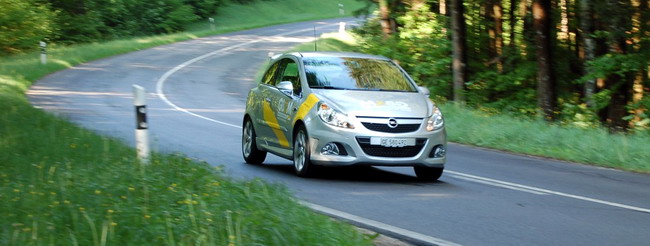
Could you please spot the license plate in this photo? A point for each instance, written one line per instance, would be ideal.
(392, 142)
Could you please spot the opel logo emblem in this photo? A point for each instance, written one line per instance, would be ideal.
(392, 123)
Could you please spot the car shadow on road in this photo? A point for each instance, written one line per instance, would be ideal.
(353, 173)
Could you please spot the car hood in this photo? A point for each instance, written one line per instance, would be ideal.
(377, 103)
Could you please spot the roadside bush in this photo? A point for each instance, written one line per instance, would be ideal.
(23, 23)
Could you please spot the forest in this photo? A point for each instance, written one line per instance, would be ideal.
(572, 62)
(23, 23)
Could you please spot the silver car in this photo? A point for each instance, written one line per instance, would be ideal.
(339, 109)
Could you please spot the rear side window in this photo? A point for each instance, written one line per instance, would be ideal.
(269, 76)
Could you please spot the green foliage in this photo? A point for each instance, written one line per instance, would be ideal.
(619, 64)
(421, 48)
(512, 92)
(178, 18)
(23, 23)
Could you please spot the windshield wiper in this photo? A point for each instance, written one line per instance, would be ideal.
(328, 87)
(379, 89)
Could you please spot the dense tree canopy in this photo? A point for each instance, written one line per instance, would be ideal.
(23, 23)
(582, 62)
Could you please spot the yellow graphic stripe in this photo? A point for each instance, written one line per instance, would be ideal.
(272, 121)
(309, 103)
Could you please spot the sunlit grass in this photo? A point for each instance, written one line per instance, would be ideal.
(278, 12)
(63, 185)
(330, 42)
(593, 145)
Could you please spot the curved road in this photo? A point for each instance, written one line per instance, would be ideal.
(197, 91)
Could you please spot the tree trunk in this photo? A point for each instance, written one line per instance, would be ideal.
(586, 23)
(546, 84)
(513, 23)
(619, 84)
(495, 11)
(459, 63)
(385, 19)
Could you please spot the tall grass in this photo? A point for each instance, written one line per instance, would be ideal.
(593, 145)
(63, 185)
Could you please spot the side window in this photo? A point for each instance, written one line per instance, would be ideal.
(290, 73)
(269, 76)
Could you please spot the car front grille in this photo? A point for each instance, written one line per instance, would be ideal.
(381, 151)
(379, 127)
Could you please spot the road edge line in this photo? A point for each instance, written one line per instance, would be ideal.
(397, 232)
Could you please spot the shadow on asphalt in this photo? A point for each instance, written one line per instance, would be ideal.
(353, 173)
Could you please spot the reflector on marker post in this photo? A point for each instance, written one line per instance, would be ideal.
(141, 127)
(43, 52)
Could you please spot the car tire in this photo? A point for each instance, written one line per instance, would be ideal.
(251, 154)
(301, 154)
(428, 173)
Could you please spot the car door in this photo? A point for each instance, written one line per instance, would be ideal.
(283, 103)
(279, 106)
(263, 128)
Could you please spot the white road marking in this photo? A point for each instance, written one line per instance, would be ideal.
(497, 184)
(378, 225)
(531, 189)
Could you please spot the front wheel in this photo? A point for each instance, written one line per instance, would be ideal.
(251, 154)
(428, 173)
(301, 154)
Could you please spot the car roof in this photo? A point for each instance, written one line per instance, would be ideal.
(338, 54)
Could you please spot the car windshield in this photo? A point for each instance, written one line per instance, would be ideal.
(345, 73)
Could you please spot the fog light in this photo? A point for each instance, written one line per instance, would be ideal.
(438, 151)
(330, 149)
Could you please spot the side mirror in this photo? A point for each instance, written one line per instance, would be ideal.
(424, 90)
(286, 87)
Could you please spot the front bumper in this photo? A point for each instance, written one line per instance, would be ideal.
(359, 151)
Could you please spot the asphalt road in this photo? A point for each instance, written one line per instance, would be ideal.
(196, 98)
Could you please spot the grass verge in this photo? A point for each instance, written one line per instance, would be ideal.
(63, 185)
(497, 131)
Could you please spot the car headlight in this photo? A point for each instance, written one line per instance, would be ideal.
(333, 117)
(435, 122)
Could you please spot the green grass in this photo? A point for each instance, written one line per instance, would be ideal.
(63, 185)
(278, 12)
(497, 131)
(591, 146)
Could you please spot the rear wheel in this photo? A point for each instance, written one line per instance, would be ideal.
(301, 154)
(251, 154)
(428, 173)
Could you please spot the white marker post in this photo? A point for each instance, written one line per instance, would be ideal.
(211, 23)
(341, 10)
(43, 52)
(341, 27)
(141, 127)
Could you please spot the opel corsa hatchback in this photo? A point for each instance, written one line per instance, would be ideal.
(339, 109)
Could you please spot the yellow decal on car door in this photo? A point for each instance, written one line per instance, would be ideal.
(272, 122)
